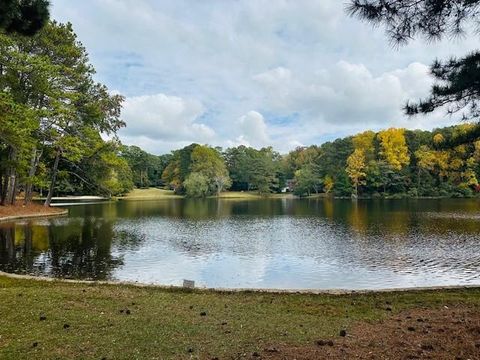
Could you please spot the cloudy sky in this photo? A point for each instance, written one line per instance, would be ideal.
(256, 72)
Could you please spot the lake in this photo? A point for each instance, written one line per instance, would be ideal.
(271, 243)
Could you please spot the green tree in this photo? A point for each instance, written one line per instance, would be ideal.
(333, 161)
(100, 169)
(16, 126)
(197, 185)
(252, 169)
(77, 101)
(263, 170)
(209, 162)
(306, 181)
(238, 161)
(140, 162)
(49, 74)
(380, 175)
(178, 168)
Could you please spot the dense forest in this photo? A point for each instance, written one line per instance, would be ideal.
(389, 163)
(54, 119)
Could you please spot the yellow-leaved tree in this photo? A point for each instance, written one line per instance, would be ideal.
(365, 142)
(438, 139)
(356, 169)
(394, 148)
(328, 184)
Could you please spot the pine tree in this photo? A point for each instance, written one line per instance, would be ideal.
(25, 17)
(457, 86)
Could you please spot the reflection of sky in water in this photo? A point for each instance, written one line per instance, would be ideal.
(260, 244)
(295, 253)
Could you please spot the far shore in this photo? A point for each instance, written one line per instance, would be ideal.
(36, 209)
(157, 193)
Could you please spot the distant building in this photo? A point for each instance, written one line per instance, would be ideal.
(289, 186)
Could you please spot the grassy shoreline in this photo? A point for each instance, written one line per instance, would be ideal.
(155, 194)
(126, 322)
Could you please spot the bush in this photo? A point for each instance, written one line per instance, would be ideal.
(397, 196)
(196, 185)
(413, 192)
(462, 191)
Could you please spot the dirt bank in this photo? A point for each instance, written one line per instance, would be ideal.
(19, 211)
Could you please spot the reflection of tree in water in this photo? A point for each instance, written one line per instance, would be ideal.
(82, 251)
(130, 239)
(8, 251)
(16, 246)
(79, 249)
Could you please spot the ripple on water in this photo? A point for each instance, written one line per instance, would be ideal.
(299, 245)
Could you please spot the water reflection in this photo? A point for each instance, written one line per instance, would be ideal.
(78, 248)
(275, 243)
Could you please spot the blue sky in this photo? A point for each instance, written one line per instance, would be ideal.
(280, 73)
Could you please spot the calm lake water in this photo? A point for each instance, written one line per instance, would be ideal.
(278, 243)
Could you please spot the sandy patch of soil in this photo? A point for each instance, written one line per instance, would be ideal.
(32, 209)
(445, 333)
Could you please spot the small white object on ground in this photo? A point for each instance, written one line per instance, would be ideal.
(188, 284)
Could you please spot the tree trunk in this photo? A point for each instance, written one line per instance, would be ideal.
(355, 190)
(13, 188)
(1, 184)
(8, 187)
(418, 183)
(54, 179)
(33, 169)
(10, 183)
(3, 195)
(13, 177)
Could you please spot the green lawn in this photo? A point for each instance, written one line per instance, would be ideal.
(155, 193)
(246, 195)
(150, 194)
(92, 321)
(240, 195)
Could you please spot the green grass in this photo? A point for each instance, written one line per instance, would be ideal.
(155, 193)
(240, 195)
(252, 195)
(150, 194)
(168, 323)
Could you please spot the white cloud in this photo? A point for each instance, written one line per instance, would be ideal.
(253, 130)
(160, 118)
(344, 94)
(310, 70)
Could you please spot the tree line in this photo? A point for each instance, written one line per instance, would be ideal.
(389, 163)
